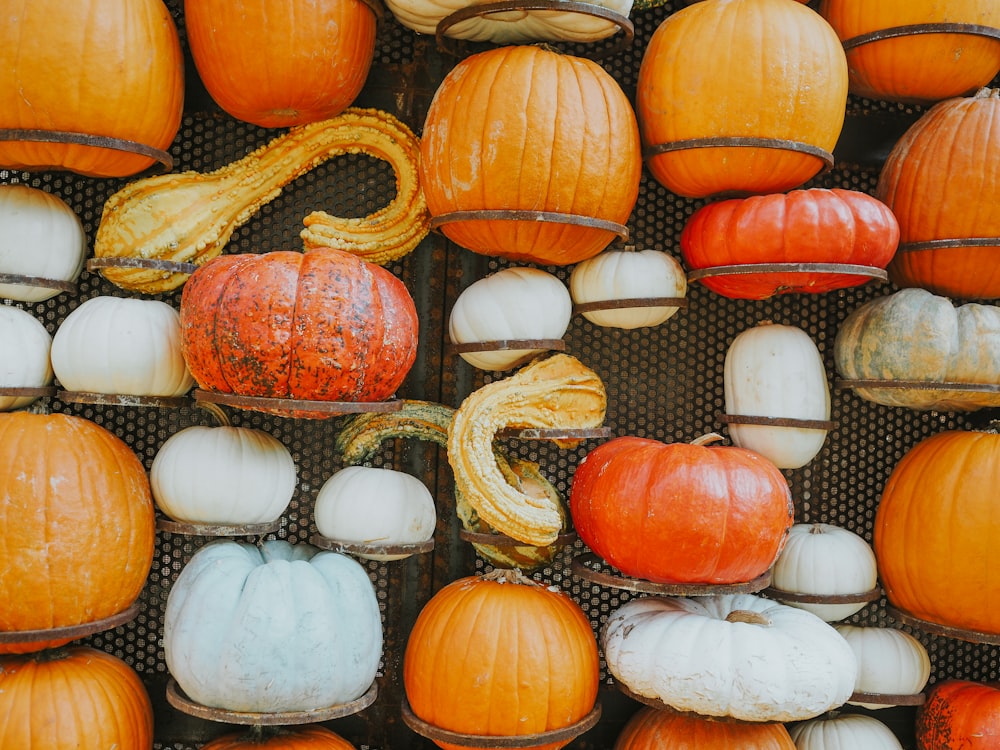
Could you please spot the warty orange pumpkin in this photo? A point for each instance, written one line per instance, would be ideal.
(71, 698)
(107, 68)
(942, 182)
(276, 63)
(321, 325)
(77, 524)
(526, 129)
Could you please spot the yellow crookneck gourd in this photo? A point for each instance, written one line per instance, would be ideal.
(363, 434)
(188, 217)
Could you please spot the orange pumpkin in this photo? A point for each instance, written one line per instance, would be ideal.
(108, 68)
(936, 528)
(501, 655)
(72, 698)
(770, 72)
(654, 729)
(281, 738)
(77, 524)
(959, 715)
(280, 63)
(891, 55)
(563, 140)
(942, 182)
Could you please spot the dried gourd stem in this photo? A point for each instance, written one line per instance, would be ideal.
(217, 412)
(748, 616)
(707, 439)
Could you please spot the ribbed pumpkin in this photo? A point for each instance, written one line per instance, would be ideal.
(564, 141)
(936, 528)
(77, 520)
(680, 512)
(652, 729)
(959, 715)
(803, 226)
(25, 345)
(77, 697)
(501, 655)
(912, 66)
(281, 738)
(110, 68)
(942, 182)
(757, 69)
(320, 325)
(280, 63)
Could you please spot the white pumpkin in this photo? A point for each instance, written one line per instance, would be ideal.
(511, 26)
(121, 345)
(24, 355)
(890, 662)
(738, 655)
(775, 370)
(368, 505)
(844, 732)
(825, 560)
(40, 237)
(512, 304)
(222, 475)
(273, 627)
(621, 275)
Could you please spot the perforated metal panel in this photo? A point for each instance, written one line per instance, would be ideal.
(663, 382)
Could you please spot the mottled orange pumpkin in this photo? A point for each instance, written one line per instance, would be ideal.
(524, 128)
(959, 715)
(322, 325)
(109, 68)
(280, 63)
(72, 698)
(936, 528)
(656, 729)
(942, 182)
(501, 655)
(77, 521)
(903, 65)
(749, 69)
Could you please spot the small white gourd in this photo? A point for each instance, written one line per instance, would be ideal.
(222, 475)
(121, 345)
(24, 355)
(622, 275)
(890, 662)
(40, 237)
(825, 560)
(515, 303)
(776, 371)
(369, 505)
(844, 732)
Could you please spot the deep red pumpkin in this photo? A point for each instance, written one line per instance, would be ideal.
(818, 225)
(322, 325)
(960, 715)
(681, 512)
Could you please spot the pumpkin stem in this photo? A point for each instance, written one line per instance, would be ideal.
(56, 653)
(987, 93)
(216, 411)
(708, 438)
(748, 616)
(260, 734)
(816, 528)
(508, 575)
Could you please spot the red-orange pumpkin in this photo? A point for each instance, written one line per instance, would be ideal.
(917, 67)
(803, 226)
(942, 181)
(110, 68)
(523, 128)
(960, 715)
(77, 521)
(681, 512)
(281, 738)
(655, 729)
(280, 63)
(501, 655)
(748, 69)
(73, 698)
(936, 530)
(322, 325)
